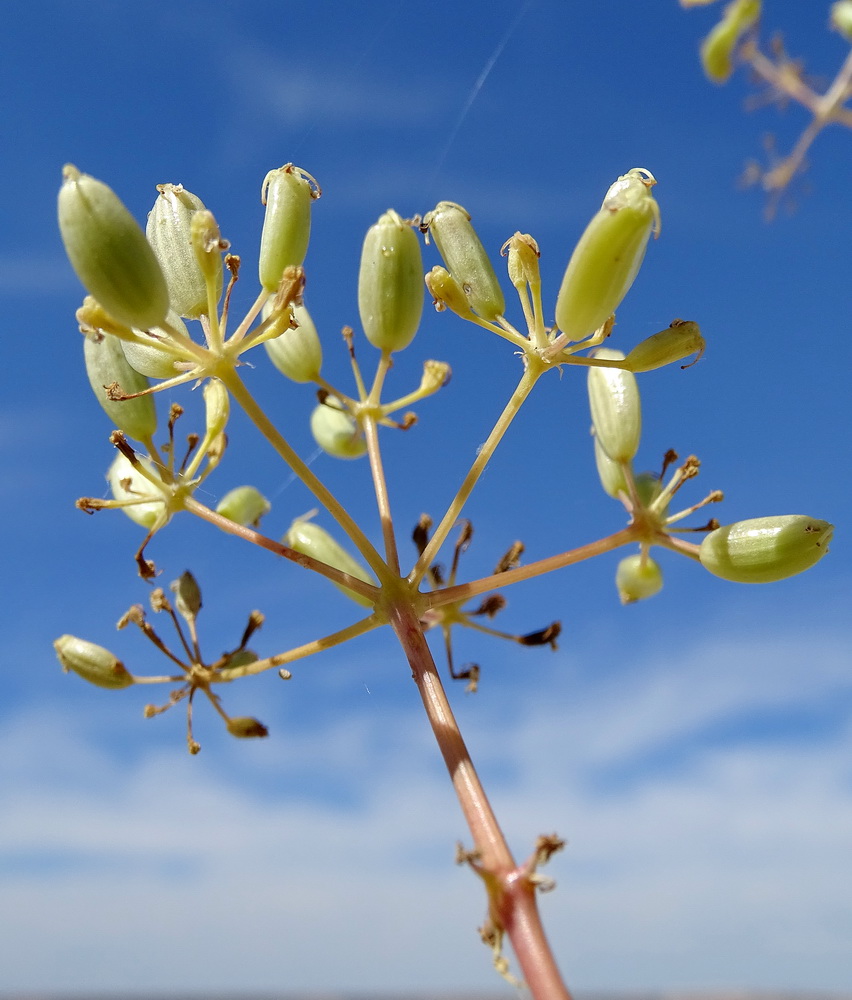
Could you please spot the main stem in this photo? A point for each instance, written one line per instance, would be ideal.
(511, 890)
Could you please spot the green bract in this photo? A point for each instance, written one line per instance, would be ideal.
(288, 193)
(449, 226)
(765, 549)
(390, 283)
(608, 255)
(616, 409)
(296, 352)
(169, 231)
(106, 364)
(311, 540)
(91, 662)
(109, 252)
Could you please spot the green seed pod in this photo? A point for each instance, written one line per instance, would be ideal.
(637, 578)
(841, 18)
(245, 505)
(127, 484)
(109, 252)
(91, 662)
(288, 193)
(449, 226)
(390, 283)
(648, 487)
(106, 364)
(296, 352)
(765, 549)
(608, 255)
(311, 540)
(678, 341)
(149, 358)
(246, 728)
(336, 431)
(169, 232)
(616, 409)
(187, 595)
(717, 49)
(217, 405)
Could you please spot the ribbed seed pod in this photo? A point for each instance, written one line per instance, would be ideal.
(149, 358)
(637, 578)
(336, 431)
(616, 408)
(678, 341)
(449, 226)
(169, 231)
(106, 364)
(244, 504)
(765, 549)
(717, 49)
(296, 352)
(217, 407)
(311, 540)
(92, 662)
(126, 483)
(109, 252)
(611, 473)
(288, 194)
(608, 255)
(390, 283)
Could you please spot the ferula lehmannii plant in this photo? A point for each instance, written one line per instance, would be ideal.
(141, 292)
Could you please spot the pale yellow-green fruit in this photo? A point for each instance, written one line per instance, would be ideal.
(288, 194)
(244, 504)
(608, 255)
(169, 231)
(311, 540)
(336, 431)
(637, 578)
(109, 252)
(296, 352)
(390, 283)
(105, 365)
(717, 49)
(765, 549)
(448, 224)
(92, 662)
(128, 484)
(615, 407)
(681, 339)
(148, 355)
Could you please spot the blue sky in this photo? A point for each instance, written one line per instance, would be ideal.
(694, 750)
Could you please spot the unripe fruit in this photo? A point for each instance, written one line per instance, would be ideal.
(765, 549)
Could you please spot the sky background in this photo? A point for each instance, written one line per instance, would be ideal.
(694, 750)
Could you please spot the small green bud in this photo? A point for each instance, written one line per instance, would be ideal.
(765, 549)
(149, 358)
(105, 365)
(244, 504)
(288, 194)
(217, 404)
(608, 255)
(447, 293)
(246, 728)
(109, 252)
(336, 431)
(187, 595)
(638, 577)
(616, 409)
(717, 49)
(207, 245)
(296, 352)
(648, 487)
(523, 254)
(91, 662)
(449, 226)
(390, 283)
(611, 473)
(678, 341)
(169, 231)
(841, 18)
(311, 540)
(128, 484)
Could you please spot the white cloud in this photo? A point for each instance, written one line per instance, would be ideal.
(727, 865)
